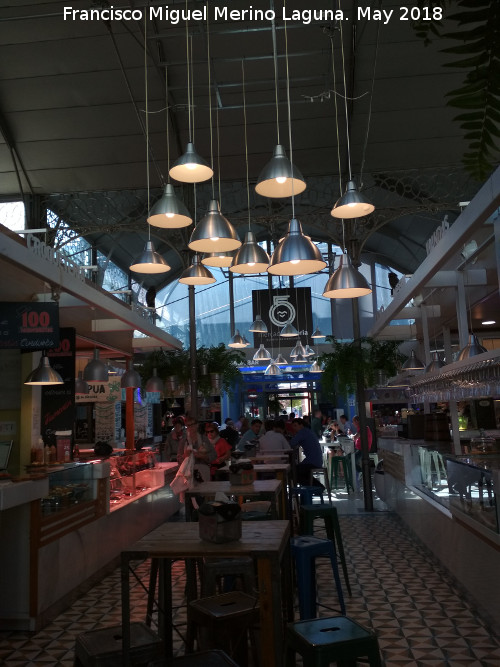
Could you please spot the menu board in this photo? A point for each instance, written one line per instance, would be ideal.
(29, 325)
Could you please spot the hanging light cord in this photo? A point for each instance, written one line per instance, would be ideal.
(345, 100)
(368, 123)
(246, 144)
(337, 131)
(188, 75)
(218, 151)
(147, 115)
(289, 113)
(166, 114)
(275, 60)
(210, 107)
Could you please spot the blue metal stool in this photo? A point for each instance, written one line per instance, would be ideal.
(305, 550)
(322, 641)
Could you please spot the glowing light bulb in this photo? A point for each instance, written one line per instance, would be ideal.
(281, 179)
(351, 204)
(294, 261)
(190, 165)
(169, 215)
(251, 263)
(214, 238)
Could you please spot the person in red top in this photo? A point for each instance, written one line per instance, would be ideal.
(222, 448)
(357, 441)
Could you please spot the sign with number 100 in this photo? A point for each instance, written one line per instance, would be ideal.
(29, 325)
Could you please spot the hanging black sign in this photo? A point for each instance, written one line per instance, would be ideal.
(280, 307)
(29, 325)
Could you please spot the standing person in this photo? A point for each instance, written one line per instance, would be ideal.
(273, 439)
(347, 427)
(222, 448)
(175, 438)
(311, 448)
(252, 434)
(357, 442)
(317, 424)
(203, 450)
(289, 424)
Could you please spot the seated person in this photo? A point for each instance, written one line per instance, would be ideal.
(222, 448)
(250, 435)
(304, 437)
(230, 433)
(201, 447)
(272, 440)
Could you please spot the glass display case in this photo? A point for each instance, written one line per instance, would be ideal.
(69, 485)
(132, 474)
(463, 484)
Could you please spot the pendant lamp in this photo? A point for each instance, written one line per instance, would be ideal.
(155, 383)
(280, 178)
(131, 378)
(95, 370)
(81, 387)
(196, 274)
(413, 363)
(472, 348)
(298, 349)
(296, 254)
(300, 359)
(398, 381)
(250, 258)
(352, 204)
(169, 212)
(214, 232)
(237, 341)
(219, 259)
(175, 404)
(44, 374)
(280, 360)
(191, 167)
(258, 325)
(272, 369)
(150, 261)
(289, 331)
(317, 333)
(245, 341)
(309, 352)
(205, 404)
(262, 354)
(435, 365)
(346, 282)
(315, 367)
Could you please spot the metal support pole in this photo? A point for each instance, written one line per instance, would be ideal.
(192, 352)
(360, 400)
(129, 419)
(231, 304)
(332, 301)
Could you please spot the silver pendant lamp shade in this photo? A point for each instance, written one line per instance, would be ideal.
(289, 331)
(237, 341)
(191, 167)
(352, 204)
(155, 383)
(214, 232)
(95, 370)
(298, 349)
(150, 261)
(280, 360)
(169, 211)
(258, 326)
(81, 387)
(300, 359)
(413, 363)
(309, 352)
(272, 369)
(317, 333)
(315, 368)
(196, 274)
(130, 379)
(250, 258)
(219, 259)
(247, 342)
(435, 365)
(472, 348)
(346, 282)
(262, 354)
(280, 178)
(44, 374)
(296, 255)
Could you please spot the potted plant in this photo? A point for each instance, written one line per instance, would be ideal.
(217, 369)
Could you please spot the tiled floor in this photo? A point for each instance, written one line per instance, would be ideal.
(398, 589)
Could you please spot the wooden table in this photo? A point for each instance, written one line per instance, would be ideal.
(282, 472)
(264, 489)
(267, 542)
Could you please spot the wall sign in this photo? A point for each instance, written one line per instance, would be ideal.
(29, 325)
(279, 307)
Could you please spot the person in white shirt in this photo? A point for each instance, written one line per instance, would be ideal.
(273, 439)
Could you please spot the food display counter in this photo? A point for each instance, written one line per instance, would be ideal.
(61, 532)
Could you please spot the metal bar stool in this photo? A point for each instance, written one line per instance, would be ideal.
(329, 515)
(336, 461)
(103, 647)
(324, 472)
(305, 549)
(322, 641)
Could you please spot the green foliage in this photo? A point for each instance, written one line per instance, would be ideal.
(365, 357)
(479, 96)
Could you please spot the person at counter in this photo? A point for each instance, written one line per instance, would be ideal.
(222, 448)
(305, 438)
(175, 438)
(203, 450)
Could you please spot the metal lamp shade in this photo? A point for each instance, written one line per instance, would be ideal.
(250, 258)
(346, 282)
(81, 387)
(398, 381)
(298, 349)
(413, 363)
(472, 348)
(315, 368)
(191, 167)
(352, 204)
(95, 370)
(154, 383)
(196, 274)
(272, 369)
(130, 379)
(280, 360)
(262, 354)
(169, 211)
(280, 178)
(435, 365)
(300, 359)
(296, 255)
(237, 341)
(309, 352)
(214, 232)
(317, 333)
(44, 374)
(150, 261)
(289, 331)
(247, 342)
(258, 326)
(219, 259)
